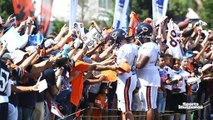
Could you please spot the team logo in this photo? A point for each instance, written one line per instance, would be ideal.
(115, 35)
(145, 29)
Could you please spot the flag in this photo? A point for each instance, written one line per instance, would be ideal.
(134, 21)
(120, 14)
(23, 9)
(173, 40)
(73, 11)
(77, 82)
(46, 9)
(159, 8)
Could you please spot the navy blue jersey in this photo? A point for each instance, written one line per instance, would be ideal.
(4, 78)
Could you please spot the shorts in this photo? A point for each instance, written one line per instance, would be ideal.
(148, 97)
(124, 93)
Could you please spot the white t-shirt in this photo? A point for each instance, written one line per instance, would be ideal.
(149, 74)
(171, 76)
(182, 84)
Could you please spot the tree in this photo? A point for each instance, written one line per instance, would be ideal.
(143, 8)
(57, 25)
(6, 8)
(206, 13)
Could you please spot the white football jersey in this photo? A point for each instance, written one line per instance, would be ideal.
(149, 74)
(127, 52)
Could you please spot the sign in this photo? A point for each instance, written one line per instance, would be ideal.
(92, 38)
(11, 37)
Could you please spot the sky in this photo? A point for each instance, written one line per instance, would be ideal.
(60, 10)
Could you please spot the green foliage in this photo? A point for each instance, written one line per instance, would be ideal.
(6, 8)
(206, 13)
(177, 9)
(103, 23)
(143, 8)
(58, 25)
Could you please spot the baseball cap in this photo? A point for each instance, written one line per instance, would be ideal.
(17, 56)
(49, 42)
(189, 54)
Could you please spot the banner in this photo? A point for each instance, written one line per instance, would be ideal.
(134, 21)
(46, 9)
(173, 40)
(73, 12)
(120, 15)
(159, 8)
(23, 9)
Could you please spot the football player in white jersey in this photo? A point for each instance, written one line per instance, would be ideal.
(147, 70)
(126, 80)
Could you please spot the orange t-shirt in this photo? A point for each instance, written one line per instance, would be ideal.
(100, 102)
(190, 68)
(77, 82)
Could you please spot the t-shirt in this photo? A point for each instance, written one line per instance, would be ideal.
(163, 74)
(101, 102)
(77, 82)
(182, 84)
(171, 76)
(49, 75)
(27, 99)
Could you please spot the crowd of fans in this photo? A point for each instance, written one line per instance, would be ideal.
(118, 75)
